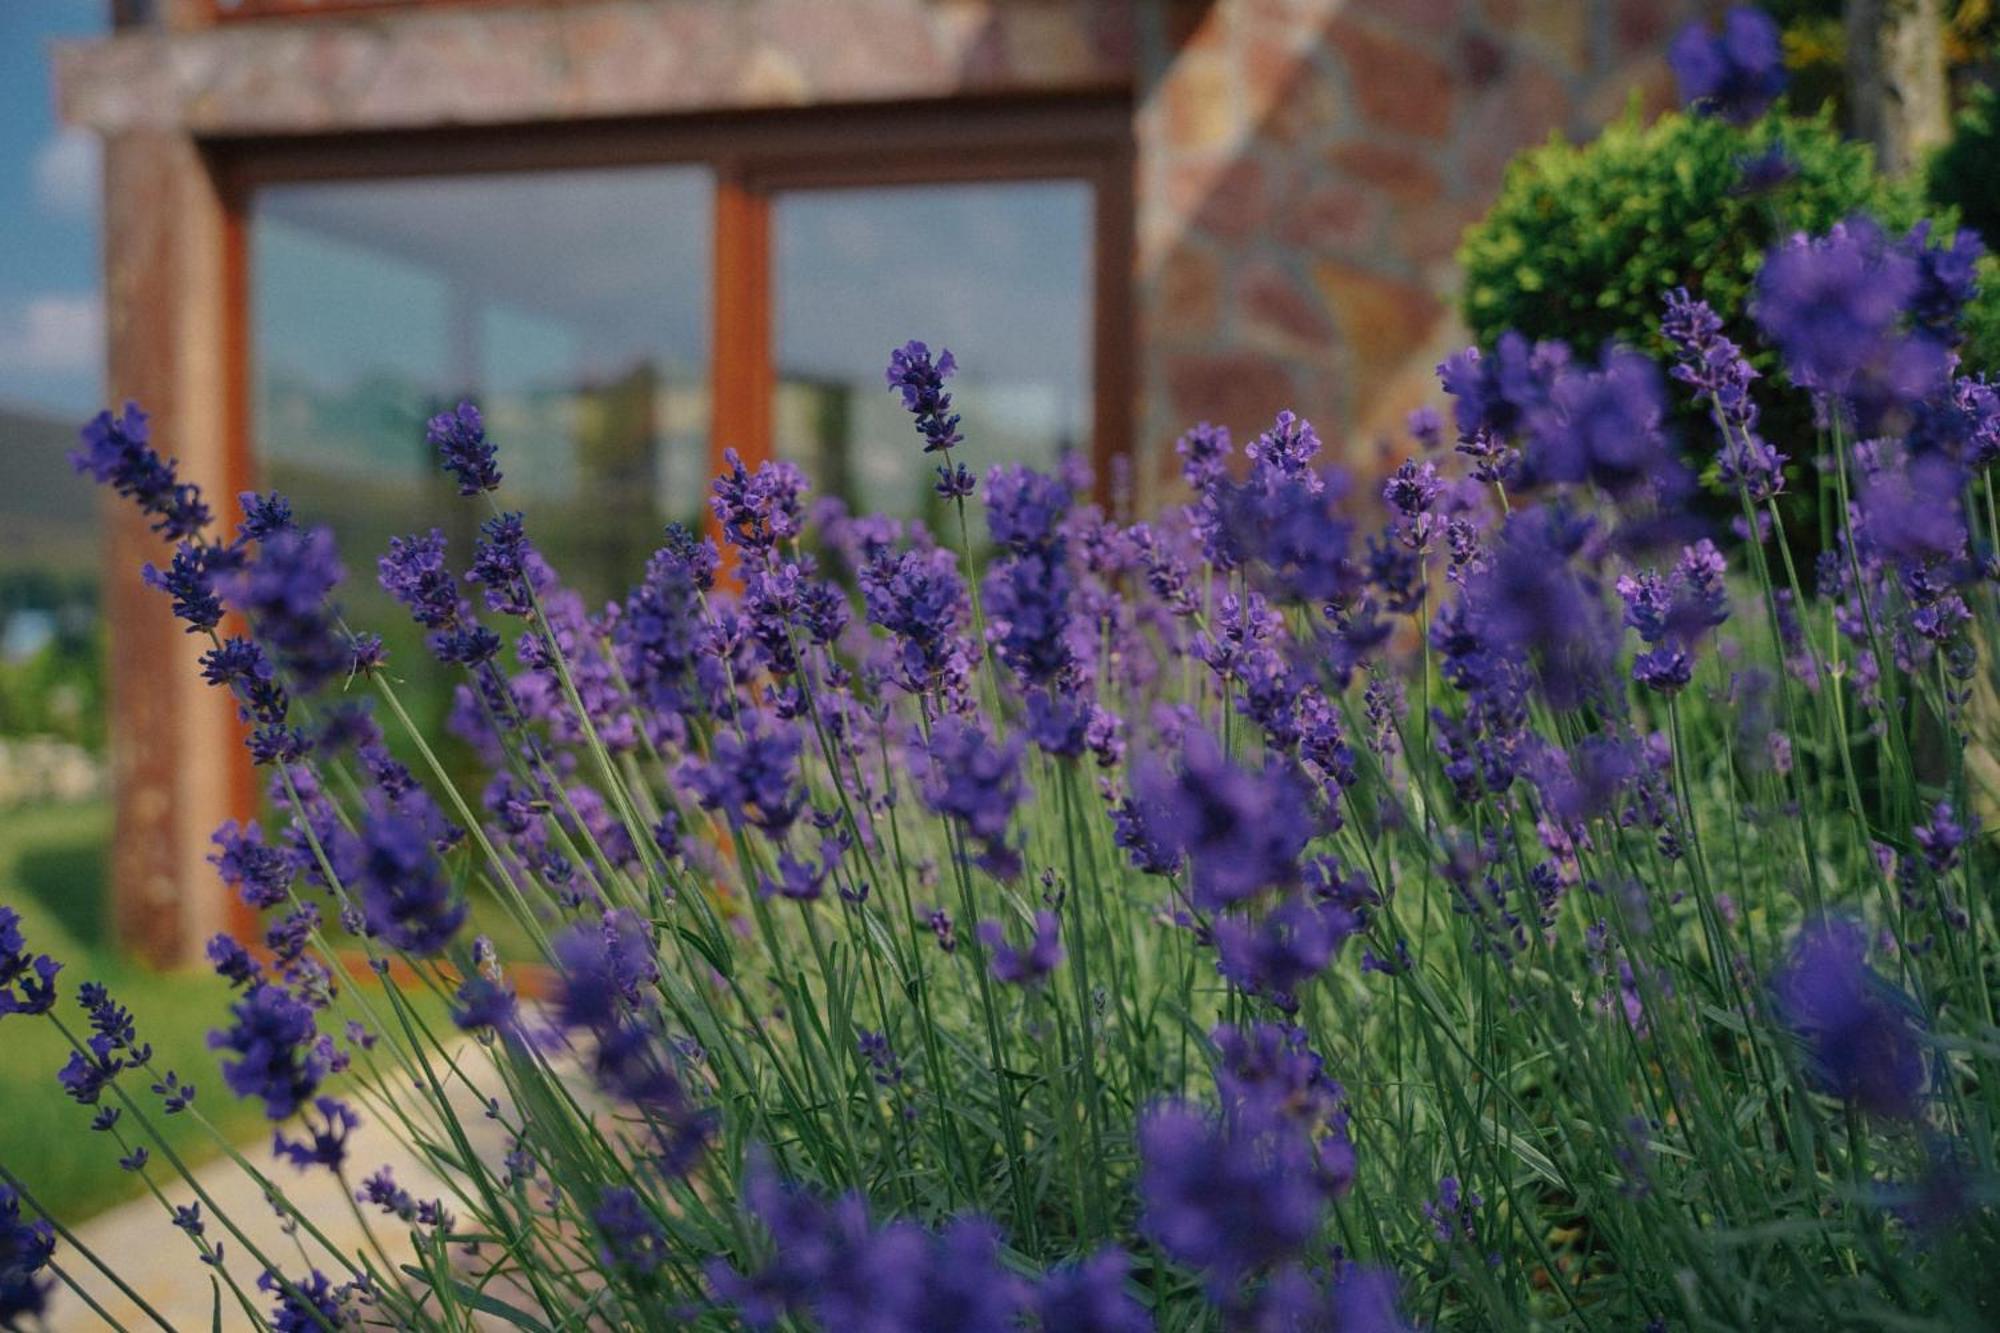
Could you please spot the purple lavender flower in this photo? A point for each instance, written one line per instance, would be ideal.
(326, 1144)
(27, 981)
(233, 963)
(1426, 427)
(1024, 508)
(241, 666)
(966, 1287)
(1266, 1074)
(263, 515)
(1861, 1034)
(1204, 453)
(1494, 397)
(189, 581)
(1414, 487)
(485, 1005)
(826, 1258)
(460, 440)
(308, 1306)
(954, 482)
(1763, 172)
(1532, 605)
(1603, 426)
(415, 574)
(1832, 303)
(604, 968)
(405, 895)
(919, 597)
(25, 1250)
(632, 1238)
(117, 453)
(1023, 967)
(1735, 74)
(1287, 449)
(1289, 946)
(1940, 839)
(758, 512)
(829, 1261)
(974, 782)
(1947, 278)
(1028, 610)
(1242, 832)
(657, 634)
(1290, 529)
(285, 591)
(751, 777)
(506, 565)
(1717, 369)
(1089, 1296)
(278, 1059)
(1227, 1202)
(1673, 613)
(920, 380)
(261, 875)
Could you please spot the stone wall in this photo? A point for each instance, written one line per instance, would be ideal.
(1306, 170)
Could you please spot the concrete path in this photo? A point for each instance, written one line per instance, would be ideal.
(162, 1266)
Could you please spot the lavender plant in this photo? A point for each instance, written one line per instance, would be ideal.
(1509, 904)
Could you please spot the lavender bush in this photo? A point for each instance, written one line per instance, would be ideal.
(1506, 904)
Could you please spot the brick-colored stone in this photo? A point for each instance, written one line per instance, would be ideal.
(1326, 217)
(1187, 299)
(1231, 200)
(1426, 18)
(1560, 27)
(1382, 320)
(1241, 390)
(1203, 112)
(1643, 26)
(1275, 309)
(1430, 235)
(1401, 174)
(1515, 116)
(1397, 85)
(1292, 98)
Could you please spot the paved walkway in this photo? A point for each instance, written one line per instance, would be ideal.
(161, 1265)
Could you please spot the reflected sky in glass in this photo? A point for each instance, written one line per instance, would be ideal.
(999, 273)
(572, 306)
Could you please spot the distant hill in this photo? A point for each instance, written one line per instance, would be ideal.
(48, 514)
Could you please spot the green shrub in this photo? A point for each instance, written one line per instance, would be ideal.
(1965, 173)
(1585, 239)
(1965, 176)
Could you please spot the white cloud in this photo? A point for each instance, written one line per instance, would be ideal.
(53, 334)
(67, 174)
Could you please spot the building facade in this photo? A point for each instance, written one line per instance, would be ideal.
(644, 231)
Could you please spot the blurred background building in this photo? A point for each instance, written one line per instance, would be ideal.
(641, 231)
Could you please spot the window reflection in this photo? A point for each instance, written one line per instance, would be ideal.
(999, 273)
(572, 306)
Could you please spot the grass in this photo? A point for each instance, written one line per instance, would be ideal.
(52, 871)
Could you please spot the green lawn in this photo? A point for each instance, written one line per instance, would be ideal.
(52, 871)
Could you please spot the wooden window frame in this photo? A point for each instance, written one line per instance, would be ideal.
(753, 155)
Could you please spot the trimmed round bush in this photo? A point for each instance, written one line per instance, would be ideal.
(1585, 239)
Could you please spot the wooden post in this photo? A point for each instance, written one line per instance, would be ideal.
(174, 769)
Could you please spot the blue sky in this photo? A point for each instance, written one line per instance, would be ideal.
(51, 314)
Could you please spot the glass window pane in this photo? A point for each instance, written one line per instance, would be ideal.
(999, 273)
(572, 306)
